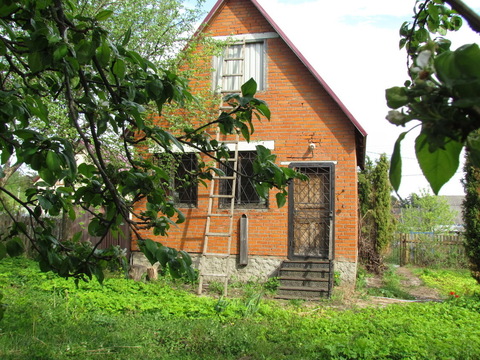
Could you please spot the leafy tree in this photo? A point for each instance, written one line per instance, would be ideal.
(19, 182)
(377, 221)
(426, 213)
(51, 53)
(471, 216)
(442, 92)
(158, 29)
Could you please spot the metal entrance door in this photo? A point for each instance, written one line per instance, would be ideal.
(311, 212)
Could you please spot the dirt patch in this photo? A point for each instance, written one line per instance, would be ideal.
(414, 286)
(409, 282)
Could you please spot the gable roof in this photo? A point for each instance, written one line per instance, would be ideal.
(361, 134)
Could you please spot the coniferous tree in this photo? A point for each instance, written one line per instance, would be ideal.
(471, 216)
(377, 222)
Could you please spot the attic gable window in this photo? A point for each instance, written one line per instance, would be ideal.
(239, 63)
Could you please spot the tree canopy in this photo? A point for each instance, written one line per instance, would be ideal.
(52, 53)
(425, 212)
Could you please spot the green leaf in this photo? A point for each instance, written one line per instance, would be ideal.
(3, 251)
(119, 68)
(396, 163)
(186, 257)
(103, 15)
(48, 176)
(439, 165)
(154, 89)
(245, 132)
(467, 58)
(53, 162)
(281, 199)
(98, 272)
(151, 247)
(60, 52)
(262, 190)
(84, 51)
(96, 228)
(103, 54)
(396, 97)
(143, 248)
(14, 247)
(87, 170)
(249, 88)
(5, 154)
(162, 256)
(35, 61)
(127, 36)
(264, 110)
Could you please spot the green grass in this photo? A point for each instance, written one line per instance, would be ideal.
(458, 281)
(48, 318)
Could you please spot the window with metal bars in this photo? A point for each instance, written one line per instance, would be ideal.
(246, 197)
(183, 186)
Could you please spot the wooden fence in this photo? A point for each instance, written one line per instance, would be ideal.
(65, 228)
(429, 249)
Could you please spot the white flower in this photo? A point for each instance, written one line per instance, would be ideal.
(423, 59)
(396, 117)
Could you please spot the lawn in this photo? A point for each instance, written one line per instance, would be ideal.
(50, 318)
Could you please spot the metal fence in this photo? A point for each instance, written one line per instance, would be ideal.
(65, 228)
(429, 249)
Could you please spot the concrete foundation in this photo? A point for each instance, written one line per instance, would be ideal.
(347, 271)
(259, 268)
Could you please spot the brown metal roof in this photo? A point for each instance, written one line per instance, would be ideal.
(360, 131)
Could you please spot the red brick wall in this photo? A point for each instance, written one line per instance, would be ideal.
(302, 112)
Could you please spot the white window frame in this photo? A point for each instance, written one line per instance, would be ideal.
(251, 66)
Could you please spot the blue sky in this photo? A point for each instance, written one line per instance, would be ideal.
(353, 45)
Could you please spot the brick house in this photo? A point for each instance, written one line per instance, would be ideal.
(310, 131)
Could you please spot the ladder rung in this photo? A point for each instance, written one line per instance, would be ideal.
(219, 275)
(216, 255)
(221, 196)
(234, 59)
(220, 215)
(224, 177)
(217, 234)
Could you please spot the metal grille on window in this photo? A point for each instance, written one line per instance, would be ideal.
(245, 196)
(183, 187)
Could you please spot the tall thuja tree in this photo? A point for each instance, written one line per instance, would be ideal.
(377, 221)
(471, 216)
(52, 53)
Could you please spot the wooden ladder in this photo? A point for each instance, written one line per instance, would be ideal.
(214, 229)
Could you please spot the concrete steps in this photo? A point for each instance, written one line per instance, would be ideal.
(305, 279)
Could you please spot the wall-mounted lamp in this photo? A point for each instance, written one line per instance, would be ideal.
(311, 146)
